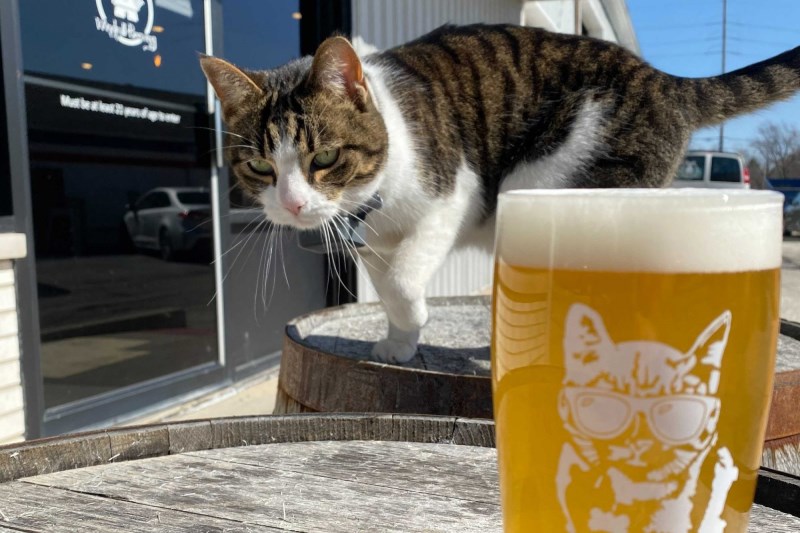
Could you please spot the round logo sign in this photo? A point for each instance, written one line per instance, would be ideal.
(127, 22)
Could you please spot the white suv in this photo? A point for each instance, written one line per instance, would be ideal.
(723, 170)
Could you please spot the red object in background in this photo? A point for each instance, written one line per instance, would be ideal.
(193, 215)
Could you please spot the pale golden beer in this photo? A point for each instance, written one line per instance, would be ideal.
(634, 337)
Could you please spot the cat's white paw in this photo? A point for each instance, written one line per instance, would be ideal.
(394, 351)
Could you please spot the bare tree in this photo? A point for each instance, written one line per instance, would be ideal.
(779, 148)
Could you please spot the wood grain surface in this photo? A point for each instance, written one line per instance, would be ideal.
(336, 486)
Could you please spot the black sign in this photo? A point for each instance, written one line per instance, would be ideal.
(70, 108)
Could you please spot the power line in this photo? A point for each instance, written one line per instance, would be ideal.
(677, 27)
(696, 54)
(759, 41)
(764, 27)
(684, 41)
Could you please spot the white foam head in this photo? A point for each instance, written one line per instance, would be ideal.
(641, 230)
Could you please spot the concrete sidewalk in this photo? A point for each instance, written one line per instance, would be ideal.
(253, 396)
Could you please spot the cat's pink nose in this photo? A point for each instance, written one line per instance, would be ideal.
(294, 206)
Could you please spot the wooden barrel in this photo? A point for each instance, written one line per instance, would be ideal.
(326, 367)
(326, 364)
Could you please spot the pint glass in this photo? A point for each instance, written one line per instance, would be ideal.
(633, 347)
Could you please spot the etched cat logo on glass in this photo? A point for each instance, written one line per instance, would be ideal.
(642, 418)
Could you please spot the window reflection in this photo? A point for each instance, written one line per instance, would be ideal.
(117, 307)
(119, 147)
(5, 164)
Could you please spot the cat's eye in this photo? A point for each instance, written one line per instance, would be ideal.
(326, 158)
(261, 166)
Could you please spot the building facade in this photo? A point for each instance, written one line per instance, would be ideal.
(138, 275)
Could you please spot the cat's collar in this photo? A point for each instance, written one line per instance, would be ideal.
(376, 202)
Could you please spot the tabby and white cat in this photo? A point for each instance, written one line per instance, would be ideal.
(440, 125)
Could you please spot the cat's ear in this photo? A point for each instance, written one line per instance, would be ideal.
(336, 67)
(233, 87)
(585, 335)
(710, 344)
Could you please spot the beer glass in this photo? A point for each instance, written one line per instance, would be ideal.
(633, 348)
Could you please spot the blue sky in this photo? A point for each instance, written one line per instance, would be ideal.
(684, 37)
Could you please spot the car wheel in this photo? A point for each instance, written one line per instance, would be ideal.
(165, 247)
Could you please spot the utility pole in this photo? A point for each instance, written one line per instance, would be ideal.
(724, 46)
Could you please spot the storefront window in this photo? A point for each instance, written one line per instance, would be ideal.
(123, 274)
(5, 164)
(149, 44)
(119, 147)
(261, 35)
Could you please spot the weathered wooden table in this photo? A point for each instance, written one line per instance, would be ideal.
(338, 473)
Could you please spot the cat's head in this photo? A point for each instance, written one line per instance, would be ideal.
(643, 407)
(306, 139)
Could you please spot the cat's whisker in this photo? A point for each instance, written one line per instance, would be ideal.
(283, 259)
(232, 248)
(271, 266)
(263, 265)
(258, 277)
(239, 146)
(243, 246)
(271, 256)
(366, 244)
(355, 256)
(367, 224)
(223, 131)
(348, 245)
(339, 254)
(262, 222)
(332, 253)
(376, 212)
(275, 274)
(333, 257)
(332, 267)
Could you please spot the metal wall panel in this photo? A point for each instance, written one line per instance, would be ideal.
(388, 23)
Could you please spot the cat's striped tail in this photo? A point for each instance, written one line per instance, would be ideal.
(712, 100)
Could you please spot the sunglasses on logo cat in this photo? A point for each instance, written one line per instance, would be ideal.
(674, 419)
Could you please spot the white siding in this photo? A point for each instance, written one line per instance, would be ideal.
(391, 22)
(12, 425)
(12, 408)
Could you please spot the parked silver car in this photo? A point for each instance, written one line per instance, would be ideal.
(170, 220)
(723, 170)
